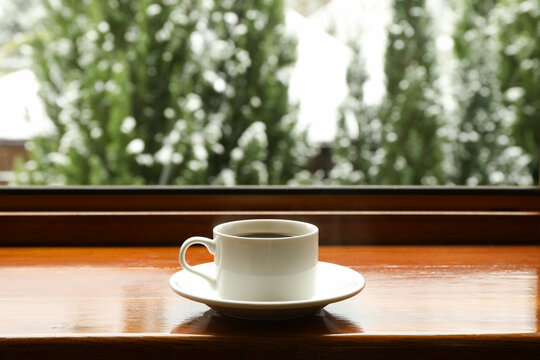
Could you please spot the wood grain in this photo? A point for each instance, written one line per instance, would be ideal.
(270, 198)
(419, 302)
(158, 228)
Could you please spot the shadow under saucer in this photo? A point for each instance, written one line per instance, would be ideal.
(211, 322)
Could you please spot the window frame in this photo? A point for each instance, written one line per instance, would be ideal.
(360, 215)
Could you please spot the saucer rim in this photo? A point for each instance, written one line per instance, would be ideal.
(269, 305)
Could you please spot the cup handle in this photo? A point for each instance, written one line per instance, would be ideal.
(209, 244)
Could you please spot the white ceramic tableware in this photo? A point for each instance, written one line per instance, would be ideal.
(333, 283)
(260, 260)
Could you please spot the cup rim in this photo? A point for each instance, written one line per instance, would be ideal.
(313, 229)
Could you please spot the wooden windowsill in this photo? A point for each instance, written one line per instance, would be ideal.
(419, 301)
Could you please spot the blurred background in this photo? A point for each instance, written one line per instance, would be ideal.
(268, 92)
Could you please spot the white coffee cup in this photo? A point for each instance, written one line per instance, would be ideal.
(279, 265)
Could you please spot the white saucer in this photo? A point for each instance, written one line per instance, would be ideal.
(334, 283)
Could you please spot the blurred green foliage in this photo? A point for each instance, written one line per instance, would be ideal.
(357, 151)
(411, 112)
(395, 142)
(165, 92)
(520, 73)
(483, 149)
(411, 138)
(195, 92)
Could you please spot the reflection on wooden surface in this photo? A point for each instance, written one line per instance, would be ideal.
(211, 322)
(410, 291)
(476, 290)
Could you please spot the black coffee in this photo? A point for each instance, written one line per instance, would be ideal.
(264, 235)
